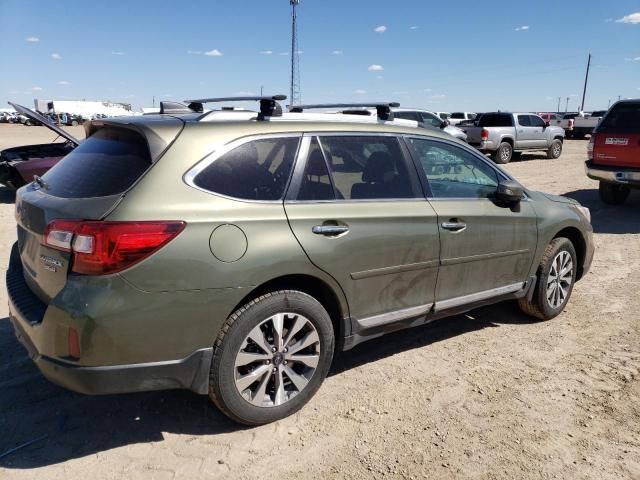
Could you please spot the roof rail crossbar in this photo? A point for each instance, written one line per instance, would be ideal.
(174, 108)
(269, 106)
(383, 109)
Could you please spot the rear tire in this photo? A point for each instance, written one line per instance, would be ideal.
(555, 150)
(254, 384)
(503, 154)
(612, 193)
(555, 279)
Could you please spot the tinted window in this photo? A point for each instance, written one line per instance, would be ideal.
(453, 172)
(431, 119)
(496, 120)
(256, 170)
(623, 118)
(407, 116)
(444, 116)
(367, 167)
(524, 120)
(536, 121)
(457, 115)
(570, 116)
(106, 163)
(316, 184)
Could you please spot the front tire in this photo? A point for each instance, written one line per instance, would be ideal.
(271, 357)
(555, 150)
(612, 193)
(555, 279)
(503, 154)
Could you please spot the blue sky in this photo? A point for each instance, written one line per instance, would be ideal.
(444, 56)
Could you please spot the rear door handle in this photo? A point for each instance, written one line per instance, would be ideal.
(454, 226)
(330, 230)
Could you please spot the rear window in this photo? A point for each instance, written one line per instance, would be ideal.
(106, 163)
(623, 118)
(457, 115)
(570, 116)
(496, 120)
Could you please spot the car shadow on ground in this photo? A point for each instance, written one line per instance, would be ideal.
(63, 425)
(7, 195)
(611, 219)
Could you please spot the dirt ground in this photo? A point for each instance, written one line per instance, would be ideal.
(487, 395)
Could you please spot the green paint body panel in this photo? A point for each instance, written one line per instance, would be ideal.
(396, 255)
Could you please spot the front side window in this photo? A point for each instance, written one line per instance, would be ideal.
(256, 170)
(536, 121)
(367, 167)
(453, 172)
(430, 119)
(457, 115)
(407, 116)
(524, 120)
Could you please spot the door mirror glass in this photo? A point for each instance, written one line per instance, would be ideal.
(509, 192)
(444, 125)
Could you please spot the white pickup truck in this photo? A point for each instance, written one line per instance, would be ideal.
(584, 123)
(504, 135)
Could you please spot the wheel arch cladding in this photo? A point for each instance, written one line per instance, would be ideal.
(314, 287)
(579, 243)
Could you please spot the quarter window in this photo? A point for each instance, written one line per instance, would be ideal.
(367, 167)
(256, 170)
(453, 172)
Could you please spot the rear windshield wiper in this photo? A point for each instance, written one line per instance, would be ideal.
(41, 182)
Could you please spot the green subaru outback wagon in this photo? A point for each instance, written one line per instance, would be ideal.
(232, 252)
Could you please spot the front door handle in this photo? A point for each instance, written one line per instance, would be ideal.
(454, 226)
(330, 230)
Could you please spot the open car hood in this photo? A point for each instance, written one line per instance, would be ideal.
(45, 121)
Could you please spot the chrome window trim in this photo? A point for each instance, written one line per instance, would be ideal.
(225, 148)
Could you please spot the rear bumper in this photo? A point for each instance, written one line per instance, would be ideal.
(42, 330)
(620, 175)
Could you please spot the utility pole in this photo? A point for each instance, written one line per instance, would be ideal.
(566, 106)
(586, 79)
(294, 95)
(558, 110)
(261, 89)
(153, 101)
(609, 104)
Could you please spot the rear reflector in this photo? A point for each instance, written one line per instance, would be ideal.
(101, 248)
(73, 343)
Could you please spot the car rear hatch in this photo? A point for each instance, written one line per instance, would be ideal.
(616, 141)
(85, 185)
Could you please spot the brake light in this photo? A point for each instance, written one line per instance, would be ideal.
(484, 134)
(590, 145)
(571, 121)
(100, 248)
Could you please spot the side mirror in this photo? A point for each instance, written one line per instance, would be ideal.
(509, 192)
(444, 125)
(547, 124)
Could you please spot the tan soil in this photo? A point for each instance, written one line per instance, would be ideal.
(487, 395)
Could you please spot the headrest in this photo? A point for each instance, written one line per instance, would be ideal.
(378, 169)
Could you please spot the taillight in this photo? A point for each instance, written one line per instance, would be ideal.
(590, 145)
(571, 121)
(484, 134)
(100, 248)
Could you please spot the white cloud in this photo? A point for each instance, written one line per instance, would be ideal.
(266, 52)
(438, 97)
(64, 82)
(380, 29)
(633, 18)
(194, 52)
(32, 39)
(283, 54)
(36, 89)
(427, 90)
(56, 56)
(359, 91)
(337, 52)
(414, 27)
(243, 93)
(522, 28)
(636, 59)
(116, 52)
(375, 68)
(213, 53)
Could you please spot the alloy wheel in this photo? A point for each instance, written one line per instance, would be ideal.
(277, 360)
(560, 279)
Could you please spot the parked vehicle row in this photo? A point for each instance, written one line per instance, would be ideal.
(300, 235)
(584, 125)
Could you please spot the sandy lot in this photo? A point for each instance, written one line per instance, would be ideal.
(487, 395)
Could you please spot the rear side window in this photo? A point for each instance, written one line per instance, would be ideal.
(496, 120)
(367, 167)
(106, 163)
(256, 170)
(457, 115)
(623, 118)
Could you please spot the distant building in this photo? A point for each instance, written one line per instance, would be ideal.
(82, 107)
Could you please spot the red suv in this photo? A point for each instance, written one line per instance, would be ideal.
(614, 152)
